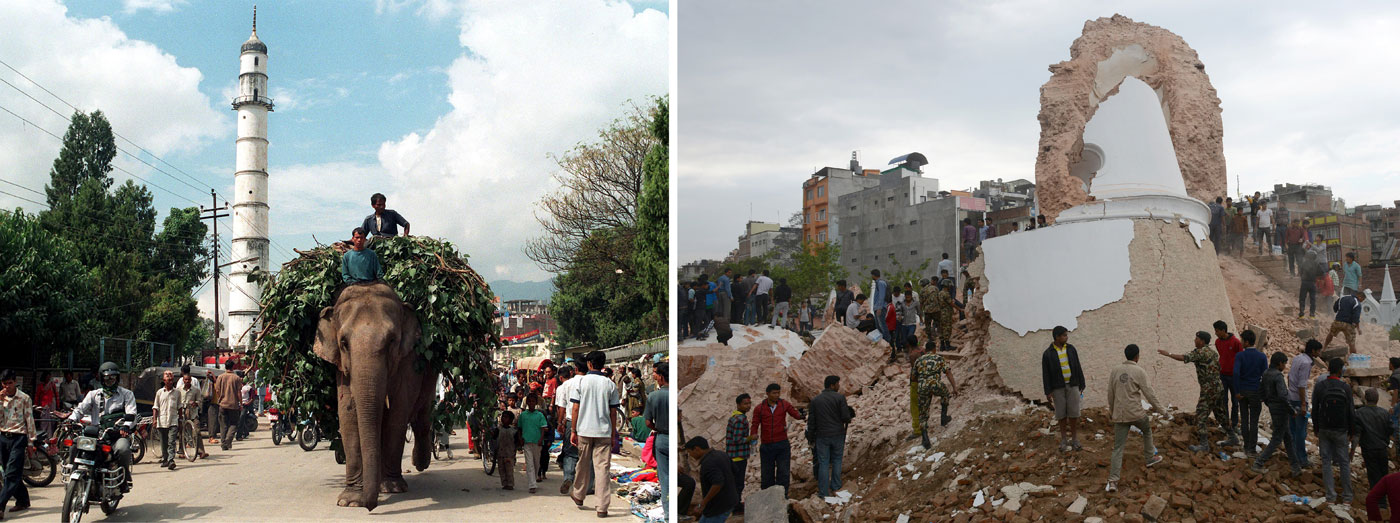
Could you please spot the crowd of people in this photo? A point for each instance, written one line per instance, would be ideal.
(751, 300)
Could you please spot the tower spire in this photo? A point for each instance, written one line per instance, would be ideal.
(255, 18)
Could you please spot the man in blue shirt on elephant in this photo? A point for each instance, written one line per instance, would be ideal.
(360, 264)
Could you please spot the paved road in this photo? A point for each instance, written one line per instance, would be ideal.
(256, 481)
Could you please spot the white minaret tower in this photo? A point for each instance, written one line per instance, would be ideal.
(250, 244)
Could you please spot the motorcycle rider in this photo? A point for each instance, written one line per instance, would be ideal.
(111, 398)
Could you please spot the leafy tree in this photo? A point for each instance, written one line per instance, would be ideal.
(651, 255)
(815, 269)
(86, 156)
(603, 312)
(45, 294)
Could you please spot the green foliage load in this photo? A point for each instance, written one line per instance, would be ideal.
(453, 303)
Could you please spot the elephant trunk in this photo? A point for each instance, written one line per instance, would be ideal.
(369, 401)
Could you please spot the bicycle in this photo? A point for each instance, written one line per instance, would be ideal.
(187, 438)
(487, 447)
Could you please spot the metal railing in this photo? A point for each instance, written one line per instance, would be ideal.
(247, 99)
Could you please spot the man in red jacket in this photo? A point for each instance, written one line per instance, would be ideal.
(774, 449)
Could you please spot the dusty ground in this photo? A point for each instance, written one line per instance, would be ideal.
(259, 482)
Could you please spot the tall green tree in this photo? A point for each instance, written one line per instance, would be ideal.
(652, 251)
(46, 304)
(143, 277)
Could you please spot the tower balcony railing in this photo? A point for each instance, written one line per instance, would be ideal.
(252, 99)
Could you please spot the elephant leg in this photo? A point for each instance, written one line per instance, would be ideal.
(350, 440)
(422, 424)
(402, 396)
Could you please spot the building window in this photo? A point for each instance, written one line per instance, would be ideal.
(875, 257)
(889, 199)
(913, 222)
(255, 61)
(809, 194)
(821, 191)
(889, 227)
(806, 217)
(853, 207)
(853, 260)
(923, 199)
(821, 215)
(821, 236)
(913, 253)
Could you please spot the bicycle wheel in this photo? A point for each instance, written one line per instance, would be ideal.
(437, 448)
(488, 457)
(40, 469)
(138, 447)
(189, 439)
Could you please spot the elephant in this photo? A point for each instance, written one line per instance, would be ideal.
(369, 335)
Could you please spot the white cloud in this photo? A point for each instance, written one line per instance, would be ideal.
(159, 6)
(536, 79)
(91, 63)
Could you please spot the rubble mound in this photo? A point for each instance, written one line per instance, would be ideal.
(1006, 467)
(840, 351)
(1108, 50)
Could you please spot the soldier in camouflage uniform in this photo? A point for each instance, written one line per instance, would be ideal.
(929, 369)
(1212, 392)
(928, 294)
(943, 316)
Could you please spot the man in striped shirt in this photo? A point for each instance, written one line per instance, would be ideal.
(738, 443)
(1063, 380)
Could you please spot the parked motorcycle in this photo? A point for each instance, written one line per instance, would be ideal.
(94, 475)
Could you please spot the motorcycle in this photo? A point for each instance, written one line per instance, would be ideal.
(94, 475)
(139, 437)
(310, 435)
(281, 426)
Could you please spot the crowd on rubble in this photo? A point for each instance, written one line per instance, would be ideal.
(752, 300)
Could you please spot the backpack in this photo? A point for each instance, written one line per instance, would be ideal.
(1333, 408)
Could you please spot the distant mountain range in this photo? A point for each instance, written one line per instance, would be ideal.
(523, 290)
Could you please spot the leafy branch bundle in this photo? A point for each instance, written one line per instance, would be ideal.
(453, 303)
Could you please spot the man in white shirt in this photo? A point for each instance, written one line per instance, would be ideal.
(595, 405)
(946, 265)
(762, 285)
(166, 410)
(853, 311)
(1265, 231)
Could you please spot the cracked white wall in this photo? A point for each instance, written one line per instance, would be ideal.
(1048, 277)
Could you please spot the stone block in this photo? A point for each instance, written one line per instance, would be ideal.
(1153, 508)
(769, 505)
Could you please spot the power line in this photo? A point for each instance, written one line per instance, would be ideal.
(91, 215)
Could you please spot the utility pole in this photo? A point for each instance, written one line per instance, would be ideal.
(214, 216)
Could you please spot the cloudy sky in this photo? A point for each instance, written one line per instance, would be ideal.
(449, 107)
(770, 91)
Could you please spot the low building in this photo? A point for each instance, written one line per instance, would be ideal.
(1302, 199)
(1342, 234)
(782, 243)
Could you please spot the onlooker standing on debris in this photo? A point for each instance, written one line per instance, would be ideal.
(943, 308)
(762, 289)
(879, 298)
(740, 299)
(804, 316)
(853, 311)
(1064, 385)
(1372, 431)
(1239, 227)
(1264, 235)
(987, 232)
(1127, 388)
(1326, 288)
(658, 418)
(929, 370)
(774, 449)
(1347, 321)
(782, 295)
(1299, 371)
(595, 408)
(969, 241)
(738, 442)
(1274, 392)
(1210, 401)
(1293, 244)
(909, 321)
(844, 297)
(166, 410)
(947, 265)
(1250, 365)
(1333, 422)
(1308, 274)
(717, 484)
(532, 426)
(1217, 223)
(16, 431)
(830, 415)
(1351, 275)
(1227, 345)
(384, 222)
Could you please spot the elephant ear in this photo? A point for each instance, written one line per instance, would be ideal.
(408, 337)
(327, 341)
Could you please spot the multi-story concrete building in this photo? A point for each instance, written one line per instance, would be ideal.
(1302, 199)
(902, 221)
(1006, 195)
(693, 270)
(769, 241)
(819, 221)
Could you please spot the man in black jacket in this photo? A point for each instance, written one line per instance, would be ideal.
(1274, 393)
(828, 415)
(1371, 431)
(1333, 421)
(1064, 386)
(718, 491)
(844, 297)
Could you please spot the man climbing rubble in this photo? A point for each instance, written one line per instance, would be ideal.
(1127, 388)
(938, 309)
(929, 369)
(1207, 364)
(774, 449)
